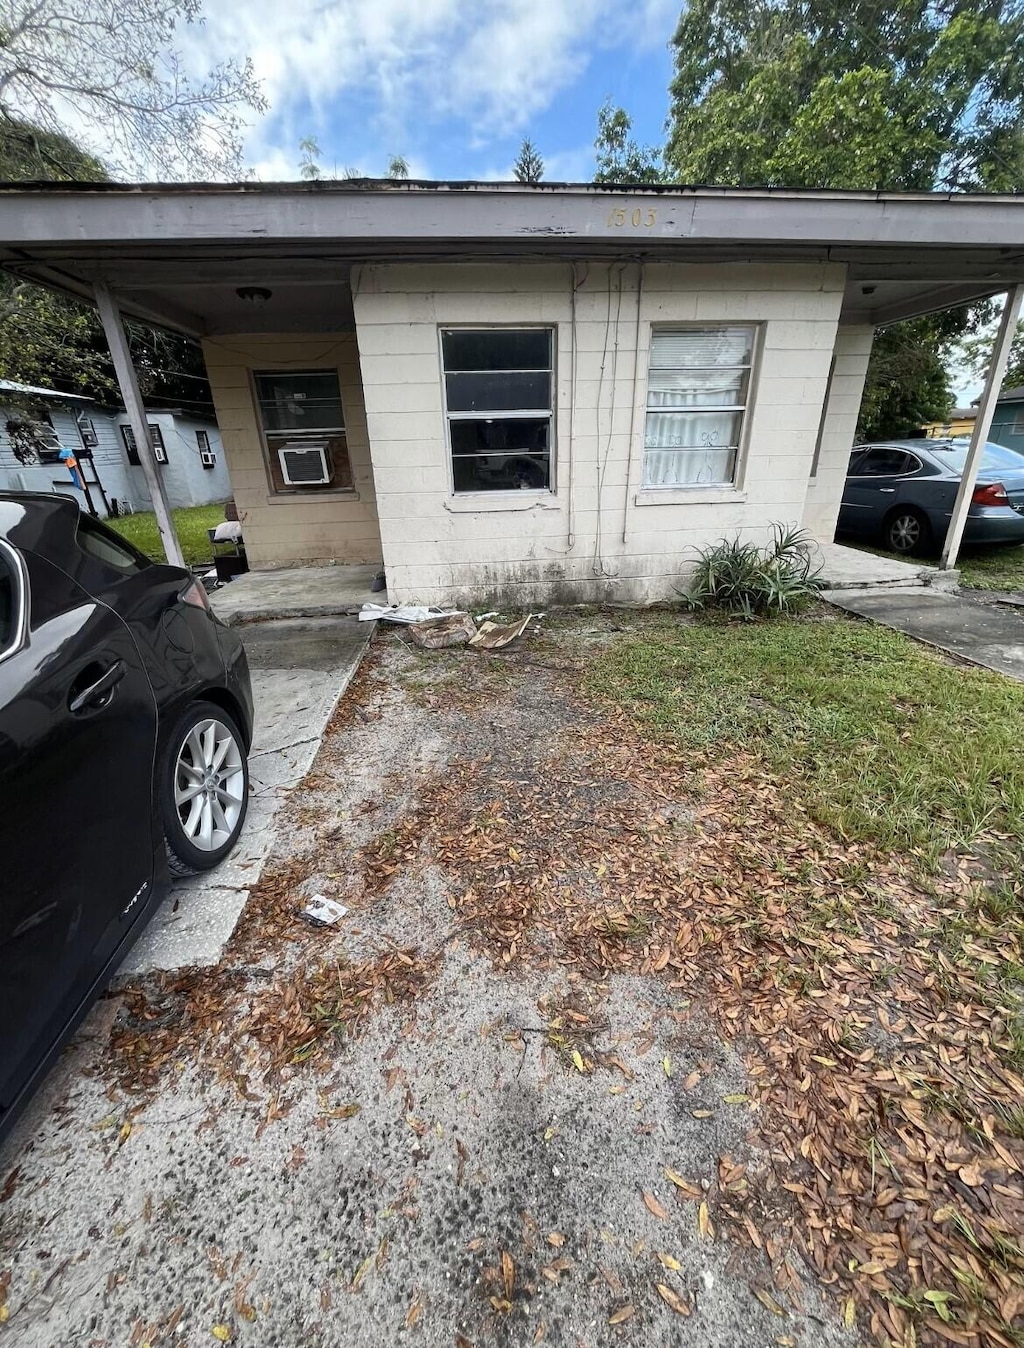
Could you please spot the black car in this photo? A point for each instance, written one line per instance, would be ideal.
(901, 493)
(125, 722)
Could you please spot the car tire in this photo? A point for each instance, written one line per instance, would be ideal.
(907, 531)
(203, 788)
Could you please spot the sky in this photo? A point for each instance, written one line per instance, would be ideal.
(451, 85)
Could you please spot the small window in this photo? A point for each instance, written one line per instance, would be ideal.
(698, 387)
(303, 430)
(1018, 420)
(156, 437)
(13, 601)
(206, 455)
(105, 546)
(886, 461)
(498, 402)
(87, 430)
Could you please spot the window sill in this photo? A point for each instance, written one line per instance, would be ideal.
(312, 494)
(471, 502)
(652, 496)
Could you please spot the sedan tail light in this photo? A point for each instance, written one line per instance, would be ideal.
(993, 493)
(195, 594)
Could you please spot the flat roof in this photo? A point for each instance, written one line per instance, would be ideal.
(175, 253)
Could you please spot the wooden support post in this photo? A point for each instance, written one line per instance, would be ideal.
(117, 340)
(982, 425)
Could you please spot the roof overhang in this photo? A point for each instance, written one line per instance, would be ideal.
(176, 255)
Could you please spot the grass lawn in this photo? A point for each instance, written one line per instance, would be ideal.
(883, 741)
(993, 568)
(191, 523)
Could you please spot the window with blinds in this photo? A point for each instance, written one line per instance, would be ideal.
(698, 386)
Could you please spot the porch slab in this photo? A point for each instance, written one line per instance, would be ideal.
(296, 592)
(982, 634)
(853, 569)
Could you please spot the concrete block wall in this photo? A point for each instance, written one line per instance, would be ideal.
(839, 427)
(293, 529)
(598, 534)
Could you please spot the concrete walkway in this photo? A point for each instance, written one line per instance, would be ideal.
(300, 668)
(844, 568)
(983, 634)
(297, 592)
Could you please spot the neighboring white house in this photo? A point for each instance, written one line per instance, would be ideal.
(522, 393)
(188, 447)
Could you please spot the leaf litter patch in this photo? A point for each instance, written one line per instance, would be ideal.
(875, 1012)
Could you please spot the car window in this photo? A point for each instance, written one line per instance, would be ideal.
(12, 602)
(993, 456)
(106, 547)
(884, 461)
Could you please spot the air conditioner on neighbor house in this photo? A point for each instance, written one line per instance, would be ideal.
(305, 466)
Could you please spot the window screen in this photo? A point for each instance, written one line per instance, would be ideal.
(498, 400)
(302, 411)
(156, 438)
(698, 386)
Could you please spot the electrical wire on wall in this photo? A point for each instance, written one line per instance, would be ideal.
(577, 281)
(632, 409)
(615, 274)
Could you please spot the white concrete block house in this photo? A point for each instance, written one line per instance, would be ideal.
(517, 394)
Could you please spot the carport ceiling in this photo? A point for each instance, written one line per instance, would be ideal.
(177, 255)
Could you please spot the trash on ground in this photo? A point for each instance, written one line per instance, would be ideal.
(455, 629)
(401, 613)
(480, 617)
(493, 636)
(323, 912)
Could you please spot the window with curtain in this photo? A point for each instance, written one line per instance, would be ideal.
(303, 411)
(698, 385)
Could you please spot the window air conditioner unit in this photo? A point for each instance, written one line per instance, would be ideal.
(305, 467)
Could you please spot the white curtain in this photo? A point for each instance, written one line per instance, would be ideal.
(688, 467)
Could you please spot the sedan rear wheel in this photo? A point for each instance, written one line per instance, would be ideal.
(204, 790)
(907, 531)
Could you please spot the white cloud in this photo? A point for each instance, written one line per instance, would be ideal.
(491, 65)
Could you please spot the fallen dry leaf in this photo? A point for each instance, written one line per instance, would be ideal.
(768, 1301)
(653, 1206)
(222, 1333)
(508, 1273)
(622, 1314)
(555, 1238)
(704, 1223)
(414, 1312)
(673, 1299)
(690, 1190)
(669, 1262)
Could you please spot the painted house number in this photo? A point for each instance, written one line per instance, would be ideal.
(638, 218)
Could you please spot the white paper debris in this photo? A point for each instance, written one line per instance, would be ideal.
(323, 912)
(404, 613)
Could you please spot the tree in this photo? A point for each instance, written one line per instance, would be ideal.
(110, 67)
(974, 352)
(398, 168)
(309, 169)
(857, 94)
(529, 166)
(620, 159)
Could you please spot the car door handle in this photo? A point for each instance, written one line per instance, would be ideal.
(888, 489)
(111, 676)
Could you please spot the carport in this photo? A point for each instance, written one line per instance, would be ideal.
(269, 262)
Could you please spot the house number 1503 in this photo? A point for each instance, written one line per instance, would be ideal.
(638, 218)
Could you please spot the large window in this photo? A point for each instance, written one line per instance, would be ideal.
(497, 387)
(698, 387)
(304, 430)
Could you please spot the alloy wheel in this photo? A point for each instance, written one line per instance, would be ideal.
(209, 785)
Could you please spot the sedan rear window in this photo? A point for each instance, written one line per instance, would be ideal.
(106, 547)
(993, 456)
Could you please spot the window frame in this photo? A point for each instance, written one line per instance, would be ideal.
(131, 449)
(517, 414)
(294, 489)
(207, 454)
(895, 449)
(1018, 420)
(22, 598)
(757, 328)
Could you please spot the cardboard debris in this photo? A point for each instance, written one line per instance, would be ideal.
(455, 629)
(493, 636)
